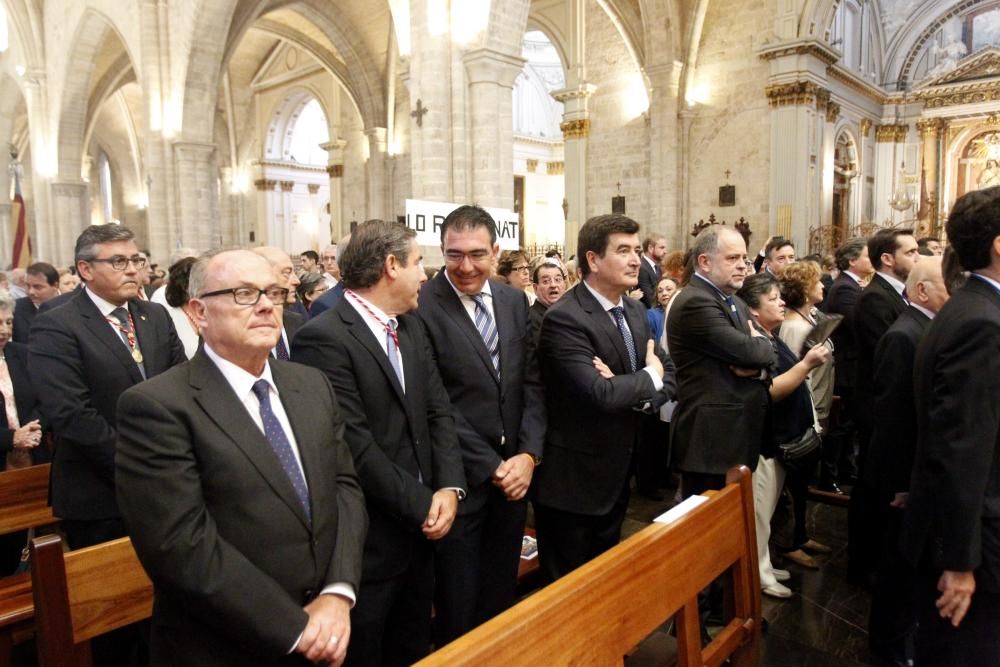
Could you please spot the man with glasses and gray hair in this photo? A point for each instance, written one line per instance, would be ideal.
(83, 356)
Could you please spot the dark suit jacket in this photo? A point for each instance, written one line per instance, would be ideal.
(486, 408)
(535, 314)
(24, 315)
(327, 299)
(80, 367)
(894, 433)
(952, 520)
(26, 401)
(216, 521)
(720, 419)
(878, 307)
(396, 438)
(647, 282)
(60, 299)
(842, 300)
(593, 426)
(292, 321)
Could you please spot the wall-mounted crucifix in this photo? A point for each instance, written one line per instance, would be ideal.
(418, 113)
(618, 203)
(727, 193)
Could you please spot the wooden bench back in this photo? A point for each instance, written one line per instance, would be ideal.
(24, 497)
(82, 594)
(603, 610)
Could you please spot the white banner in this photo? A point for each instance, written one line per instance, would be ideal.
(426, 217)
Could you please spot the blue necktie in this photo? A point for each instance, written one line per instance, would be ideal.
(619, 314)
(279, 443)
(281, 351)
(391, 349)
(488, 330)
(732, 312)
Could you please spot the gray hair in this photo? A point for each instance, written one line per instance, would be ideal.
(6, 301)
(97, 234)
(363, 261)
(199, 271)
(707, 242)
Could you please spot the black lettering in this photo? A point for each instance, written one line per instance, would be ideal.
(438, 222)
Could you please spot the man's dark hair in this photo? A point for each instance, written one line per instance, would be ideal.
(176, 291)
(651, 241)
(363, 260)
(49, 272)
(973, 225)
(848, 251)
(884, 240)
(595, 233)
(951, 271)
(311, 254)
(756, 287)
(547, 265)
(922, 242)
(469, 218)
(777, 243)
(97, 234)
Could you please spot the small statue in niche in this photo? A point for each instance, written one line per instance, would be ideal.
(990, 176)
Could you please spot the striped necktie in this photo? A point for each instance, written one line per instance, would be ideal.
(488, 330)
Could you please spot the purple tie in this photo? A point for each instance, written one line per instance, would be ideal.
(279, 443)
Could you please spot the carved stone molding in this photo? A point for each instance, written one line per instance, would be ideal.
(313, 188)
(287, 186)
(532, 165)
(887, 134)
(555, 168)
(798, 92)
(265, 184)
(335, 171)
(575, 129)
(812, 48)
(966, 94)
(866, 126)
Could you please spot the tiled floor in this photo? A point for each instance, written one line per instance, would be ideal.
(824, 623)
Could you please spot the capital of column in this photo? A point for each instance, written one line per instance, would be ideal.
(887, 134)
(665, 75)
(575, 129)
(335, 171)
(568, 95)
(929, 128)
(377, 139)
(489, 66)
(866, 126)
(335, 145)
(797, 93)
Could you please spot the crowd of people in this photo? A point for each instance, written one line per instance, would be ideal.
(310, 458)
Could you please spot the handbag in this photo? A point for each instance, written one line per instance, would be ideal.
(798, 455)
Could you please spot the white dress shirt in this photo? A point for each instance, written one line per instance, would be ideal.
(106, 308)
(376, 319)
(607, 306)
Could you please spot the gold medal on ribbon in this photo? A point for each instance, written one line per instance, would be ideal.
(137, 355)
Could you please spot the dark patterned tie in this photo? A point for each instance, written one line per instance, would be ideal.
(281, 351)
(279, 443)
(619, 314)
(392, 347)
(488, 330)
(121, 315)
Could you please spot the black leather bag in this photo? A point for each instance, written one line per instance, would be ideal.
(800, 455)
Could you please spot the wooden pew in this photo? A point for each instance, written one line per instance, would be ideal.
(24, 497)
(603, 610)
(82, 594)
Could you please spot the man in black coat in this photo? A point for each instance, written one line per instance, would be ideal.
(722, 367)
(952, 522)
(654, 249)
(401, 432)
(890, 459)
(84, 354)
(603, 375)
(549, 280)
(42, 281)
(486, 358)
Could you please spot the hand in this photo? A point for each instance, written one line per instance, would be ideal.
(328, 630)
(602, 369)
(28, 436)
(636, 294)
(745, 372)
(444, 507)
(899, 500)
(816, 356)
(653, 361)
(513, 476)
(956, 595)
(754, 331)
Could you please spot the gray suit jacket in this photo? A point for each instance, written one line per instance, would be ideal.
(216, 522)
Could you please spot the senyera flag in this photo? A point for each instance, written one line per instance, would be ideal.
(21, 252)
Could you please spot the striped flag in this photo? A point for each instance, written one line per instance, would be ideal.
(21, 253)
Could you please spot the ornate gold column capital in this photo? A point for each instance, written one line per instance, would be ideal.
(335, 170)
(887, 134)
(798, 92)
(575, 129)
(929, 128)
(866, 126)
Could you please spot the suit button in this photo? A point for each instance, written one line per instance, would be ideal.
(307, 597)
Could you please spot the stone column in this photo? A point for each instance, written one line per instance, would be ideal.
(888, 159)
(491, 76)
(575, 128)
(335, 170)
(828, 112)
(375, 169)
(46, 237)
(663, 179)
(268, 202)
(197, 196)
(930, 129)
(69, 215)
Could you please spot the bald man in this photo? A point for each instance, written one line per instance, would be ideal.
(294, 313)
(890, 460)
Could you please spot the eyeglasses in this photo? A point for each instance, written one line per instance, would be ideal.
(249, 296)
(476, 256)
(521, 269)
(551, 280)
(119, 262)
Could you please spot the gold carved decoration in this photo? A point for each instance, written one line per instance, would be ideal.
(555, 168)
(575, 129)
(799, 92)
(532, 165)
(930, 127)
(866, 126)
(313, 188)
(287, 186)
(335, 170)
(887, 134)
(832, 112)
(265, 184)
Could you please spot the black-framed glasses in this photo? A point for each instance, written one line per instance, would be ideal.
(457, 256)
(119, 262)
(249, 296)
(521, 269)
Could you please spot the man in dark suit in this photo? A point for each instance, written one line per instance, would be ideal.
(722, 367)
(292, 318)
(401, 432)
(838, 447)
(335, 291)
(654, 249)
(549, 280)
(603, 375)
(952, 521)
(486, 358)
(42, 282)
(238, 489)
(890, 460)
(84, 354)
(893, 253)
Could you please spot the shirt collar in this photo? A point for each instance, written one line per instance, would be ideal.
(380, 316)
(896, 283)
(996, 285)
(605, 304)
(103, 305)
(241, 381)
(486, 291)
(649, 260)
(721, 294)
(929, 313)
(856, 277)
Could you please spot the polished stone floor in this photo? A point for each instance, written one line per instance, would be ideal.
(824, 623)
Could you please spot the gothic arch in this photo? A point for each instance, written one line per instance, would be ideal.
(284, 115)
(553, 31)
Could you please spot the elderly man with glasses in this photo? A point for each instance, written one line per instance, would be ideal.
(84, 354)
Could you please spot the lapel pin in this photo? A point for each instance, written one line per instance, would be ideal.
(142, 317)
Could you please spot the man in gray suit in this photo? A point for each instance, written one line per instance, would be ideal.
(238, 489)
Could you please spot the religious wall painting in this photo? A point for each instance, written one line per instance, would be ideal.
(979, 163)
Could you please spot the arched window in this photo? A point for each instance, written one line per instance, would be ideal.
(104, 178)
(535, 112)
(308, 131)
